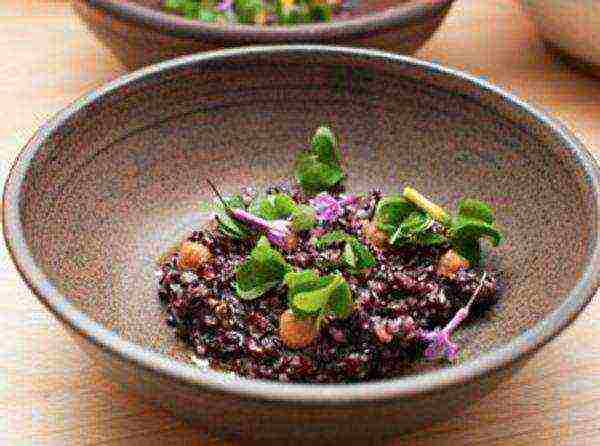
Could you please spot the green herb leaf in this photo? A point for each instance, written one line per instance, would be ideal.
(281, 206)
(304, 218)
(324, 144)
(465, 235)
(314, 300)
(411, 228)
(320, 12)
(331, 238)
(356, 256)
(340, 300)
(310, 295)
(250, 11)
(208, 15)
(436, 212)
(431, 239)
(206, 207)
(174, 4)
(471, 228)
(349, 257)
(264, 269)
(362, 257)
(231, 228)
(406, 223)
(226, 225)
(296, 281)
(475, 209)
(315, 176)
(319, 169)
(391, 212)
(470, 249)
(273, 207)
(189, 8)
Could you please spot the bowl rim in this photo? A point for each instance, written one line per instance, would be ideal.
(132, 354)
(412, 11)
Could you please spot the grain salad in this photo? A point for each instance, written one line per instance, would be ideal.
(305, 282)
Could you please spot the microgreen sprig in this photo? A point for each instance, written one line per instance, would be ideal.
(263, 270)
(226, 225)
(319, 169)
(356, 256)
(408, 219)
(310, 295)
(278, 232)
(282, 206)
(405, 223)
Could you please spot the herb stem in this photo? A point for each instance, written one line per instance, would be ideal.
(436, 212)
(462, 314)
(220, 197)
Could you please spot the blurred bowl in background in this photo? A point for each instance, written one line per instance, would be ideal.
(571, 26)
(139, 33)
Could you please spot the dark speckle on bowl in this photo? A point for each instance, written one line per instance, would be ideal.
(110, 183)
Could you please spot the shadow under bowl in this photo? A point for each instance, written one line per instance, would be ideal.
(114, 180)
(139, 33)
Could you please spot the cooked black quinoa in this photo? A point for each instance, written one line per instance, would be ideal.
(399, 296)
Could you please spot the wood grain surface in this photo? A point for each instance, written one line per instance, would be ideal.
(51, 394)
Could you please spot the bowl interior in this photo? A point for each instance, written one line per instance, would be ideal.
(118, 181)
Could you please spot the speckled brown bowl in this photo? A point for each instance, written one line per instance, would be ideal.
(140, 33)
(112, 181)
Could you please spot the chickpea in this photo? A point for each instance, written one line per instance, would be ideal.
(193, 255)
(296, 333)
(450, 263)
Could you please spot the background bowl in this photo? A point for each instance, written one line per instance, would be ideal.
(571, 26)
(138, 33)
(113, 181)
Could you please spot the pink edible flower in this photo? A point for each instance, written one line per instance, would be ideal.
(329, 208)
(225, 5)
(326, 207)
(440, 344)
(349, 199)
(278, 232)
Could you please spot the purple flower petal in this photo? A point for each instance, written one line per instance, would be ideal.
(225, 5)
(452, 351)
(326, 207)
(348, 199)
(440, 345)
(435, 350)
(278, 232)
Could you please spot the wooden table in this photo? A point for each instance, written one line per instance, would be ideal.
(51, 394)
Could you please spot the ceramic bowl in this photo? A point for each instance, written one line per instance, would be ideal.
(139, 32)
(110, 183)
